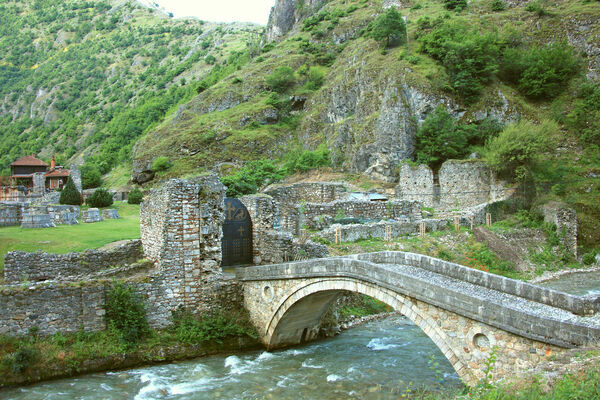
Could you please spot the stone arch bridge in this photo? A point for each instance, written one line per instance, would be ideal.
(466, 312)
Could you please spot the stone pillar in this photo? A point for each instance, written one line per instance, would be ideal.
(76, 177)
(262, 209)
(39, 183)
(416, 184)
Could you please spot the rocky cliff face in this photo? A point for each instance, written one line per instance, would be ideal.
(286, 13)
(370, 112)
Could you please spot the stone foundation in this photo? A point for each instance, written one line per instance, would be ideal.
(37, 221)
(110, 213)
(91, 215)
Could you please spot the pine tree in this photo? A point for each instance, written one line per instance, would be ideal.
(70, 194)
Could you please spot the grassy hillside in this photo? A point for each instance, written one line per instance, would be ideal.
(86, 78)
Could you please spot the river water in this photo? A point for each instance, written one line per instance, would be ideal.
(378, 360)
(579, 284)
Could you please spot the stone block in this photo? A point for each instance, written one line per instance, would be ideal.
(91, 215)
(110, 213)
(37, 221)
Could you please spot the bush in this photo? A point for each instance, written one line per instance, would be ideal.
(161, 163)
(251, 177)
(281, 79)
(192, 329)
(441, 137)
(100, 198)
(498, 5)
(540, 72)
(90, 176)
(70, 194)
(589, 258)
(126, 313)
(470, 58)
(455, 4)
(22, 359)
(135, 196)
(315, 80)
(585, 116)
(520, 147)
(302, 161)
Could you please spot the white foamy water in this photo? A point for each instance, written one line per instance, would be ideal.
(334, 378)
(379, 344)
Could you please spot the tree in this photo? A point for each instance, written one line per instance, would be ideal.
(90, 177)
(388, 26)
(70, 194)
(440, 138)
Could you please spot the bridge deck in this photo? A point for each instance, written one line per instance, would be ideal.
(538, 319)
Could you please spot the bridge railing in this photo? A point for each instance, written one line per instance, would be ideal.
(575, 304)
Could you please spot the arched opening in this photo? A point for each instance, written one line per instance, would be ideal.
(301, 311)
(236, 244)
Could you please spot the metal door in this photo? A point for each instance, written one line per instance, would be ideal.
(237, 234)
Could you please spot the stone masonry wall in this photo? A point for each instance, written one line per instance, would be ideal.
(565, 219)
(407, 211)
(462, 184)
(289, 197)
(22, 266)
(11, 214)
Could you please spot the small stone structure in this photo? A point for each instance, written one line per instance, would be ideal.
(91, 215)
(37, 221)
(63, 214)
(22, 266)
(565, 220)
(462, 183)
(110, 213)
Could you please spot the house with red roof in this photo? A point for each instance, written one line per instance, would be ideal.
(32, 172)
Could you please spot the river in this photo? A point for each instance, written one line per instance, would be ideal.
(579, 283)
(378, 360)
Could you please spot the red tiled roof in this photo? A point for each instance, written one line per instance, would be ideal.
(29, 161)
(57, 173)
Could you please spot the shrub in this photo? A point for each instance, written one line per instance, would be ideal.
(540, 72)
(135, 196)
(302, 161)
(455, 4)
(70, 194)
(100, 198)
(281, 79)
(387, 26)
(22, 359)
(585, 116)
(161, 163)
(470, 58)
(498, 5)
(316, 77)
(90, 176)
(537, 7)
(126, 313)
(192, 329)
(252, 176)
(519, 148)
(589, 258)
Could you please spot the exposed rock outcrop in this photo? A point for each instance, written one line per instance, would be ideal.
(286, 13)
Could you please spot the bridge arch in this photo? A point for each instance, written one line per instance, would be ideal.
(305, 303)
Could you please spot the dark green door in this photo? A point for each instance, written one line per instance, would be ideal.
(237, 234)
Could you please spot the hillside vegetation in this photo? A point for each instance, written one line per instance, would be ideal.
(84, 79)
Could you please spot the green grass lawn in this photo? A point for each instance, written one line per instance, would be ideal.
(67, 238)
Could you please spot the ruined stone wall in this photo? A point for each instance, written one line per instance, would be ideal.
(407, 211)
(565, 220)
(11, 214)
(269, 245)
(462, 184)
(416, 184)
(181, 228)
(51, 308)
(22, 266)
(290, 197)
